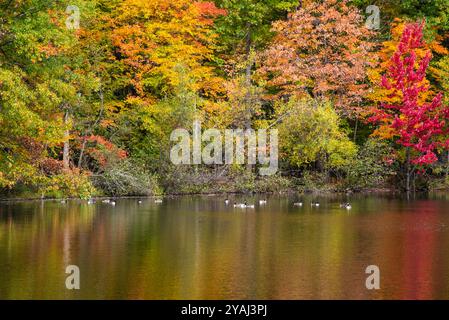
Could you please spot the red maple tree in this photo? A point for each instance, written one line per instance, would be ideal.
(417, 121)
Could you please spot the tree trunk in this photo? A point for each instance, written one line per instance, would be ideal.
(248, 54)
(90, 129)
(356, 128)
(447, 167)
(83, 147)
(248, 74)
(408, 172)
(66, 151)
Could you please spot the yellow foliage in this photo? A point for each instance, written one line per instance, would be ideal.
(155, 36)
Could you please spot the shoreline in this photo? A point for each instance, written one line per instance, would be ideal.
(383, 191)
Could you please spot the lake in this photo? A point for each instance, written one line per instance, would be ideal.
(199, 248)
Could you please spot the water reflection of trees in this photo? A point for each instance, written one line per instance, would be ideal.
(195, 248)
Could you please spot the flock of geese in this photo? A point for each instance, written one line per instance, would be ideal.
(315, 204)
(112, 202)
(243, 205)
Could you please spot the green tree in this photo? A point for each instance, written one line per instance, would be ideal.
(31, 89)
(310, 134)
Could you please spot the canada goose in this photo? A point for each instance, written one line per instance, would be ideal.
(239, 205)
(346, 205)
(158, 201)
(262, 202)
(298, 204)
(226, 201)
(249, 206)
(315, 204)
(106, 201)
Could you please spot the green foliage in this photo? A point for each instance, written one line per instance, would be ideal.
(309, 132)
(436, 12)
(67, 185)
(251, 17)
(30, 88)
(440, 70)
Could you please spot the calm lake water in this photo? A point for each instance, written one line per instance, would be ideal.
(199, 248)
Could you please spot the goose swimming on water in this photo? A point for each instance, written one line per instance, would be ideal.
(346, 205)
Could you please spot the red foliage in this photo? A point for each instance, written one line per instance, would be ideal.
(36, 154)
(51, 166)
(103, 150)
(421, 126)
(34, 148)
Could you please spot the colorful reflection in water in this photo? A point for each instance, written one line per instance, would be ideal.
(199, 248)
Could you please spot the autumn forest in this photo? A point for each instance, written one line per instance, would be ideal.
(90, 91)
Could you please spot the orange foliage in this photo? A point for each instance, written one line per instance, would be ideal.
(321, 49)
(154, 37)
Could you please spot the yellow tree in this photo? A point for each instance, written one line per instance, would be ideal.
(152, 37)
(163, 68)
